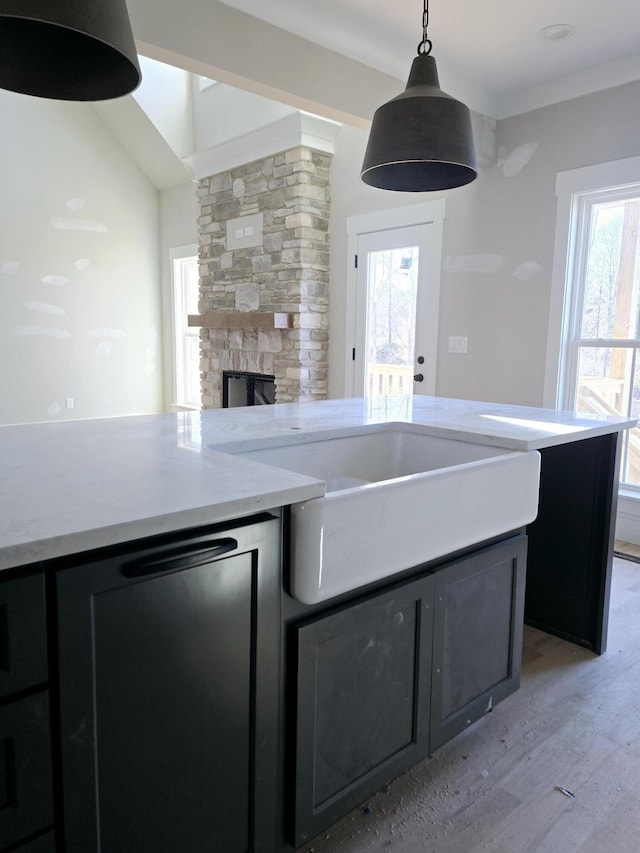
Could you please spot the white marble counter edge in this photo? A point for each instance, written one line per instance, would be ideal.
(510, 427)
(24, 554)
(470, 434)
(257, 488)
(519, 428)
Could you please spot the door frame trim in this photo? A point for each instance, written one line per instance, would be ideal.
(426, 213)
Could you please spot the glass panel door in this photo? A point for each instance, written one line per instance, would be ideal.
(392, 277)
(397, 313)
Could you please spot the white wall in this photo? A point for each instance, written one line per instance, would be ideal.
(80, 310)
(508, 309)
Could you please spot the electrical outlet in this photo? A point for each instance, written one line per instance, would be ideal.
(458, 343)
(69, 402)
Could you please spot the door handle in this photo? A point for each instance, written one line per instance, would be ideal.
(418, 377)
(182, 557)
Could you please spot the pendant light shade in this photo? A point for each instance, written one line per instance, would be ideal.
(74, 50)
(421, 140)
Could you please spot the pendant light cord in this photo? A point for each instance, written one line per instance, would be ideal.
(425, 45)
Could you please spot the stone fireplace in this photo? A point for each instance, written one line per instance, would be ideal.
(264, 274)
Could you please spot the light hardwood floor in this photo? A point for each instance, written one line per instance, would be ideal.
(575, 722)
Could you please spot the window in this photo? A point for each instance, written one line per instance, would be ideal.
(186, 339)
(600, 349)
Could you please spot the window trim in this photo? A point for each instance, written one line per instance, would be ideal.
(178, 322)
(571, 188)
(585, 203)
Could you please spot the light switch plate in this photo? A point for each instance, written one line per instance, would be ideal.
(244, 232)
(458, 343)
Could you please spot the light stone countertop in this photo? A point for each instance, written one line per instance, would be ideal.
(78, 485)
(499, 425)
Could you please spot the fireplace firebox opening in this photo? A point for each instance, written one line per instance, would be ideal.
(242, 388)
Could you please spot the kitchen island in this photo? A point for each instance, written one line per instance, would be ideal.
(97, 514)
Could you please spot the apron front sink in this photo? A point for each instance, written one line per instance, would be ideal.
(397, 498)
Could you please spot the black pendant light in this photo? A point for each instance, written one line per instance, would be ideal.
(72, 50)
(421, 140)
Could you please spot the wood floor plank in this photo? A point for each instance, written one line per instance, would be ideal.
(575, 722)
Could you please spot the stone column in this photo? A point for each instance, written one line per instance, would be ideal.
(288, 272)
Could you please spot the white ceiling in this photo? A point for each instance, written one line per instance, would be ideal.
(487, 52)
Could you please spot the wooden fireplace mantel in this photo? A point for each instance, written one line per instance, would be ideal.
(241, 320)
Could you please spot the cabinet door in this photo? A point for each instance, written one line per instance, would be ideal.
(42, 844)
(477, 636)
(26, 801)
(162, 668)
(23, 634)
(363, 677)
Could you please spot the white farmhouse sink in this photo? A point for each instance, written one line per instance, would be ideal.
(396, 499)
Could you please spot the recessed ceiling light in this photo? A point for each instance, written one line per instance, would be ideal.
(556, 32)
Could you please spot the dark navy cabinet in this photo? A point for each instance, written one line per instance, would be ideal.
(26, 785)
(477, 636)
(571, 541)
(385, 679)
(169, 673)
(186, 703)
(362, 710)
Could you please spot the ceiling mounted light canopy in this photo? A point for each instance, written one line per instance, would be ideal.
(71, 50)
(421, 140)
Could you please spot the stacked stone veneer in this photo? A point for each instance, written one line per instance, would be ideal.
(289, 272)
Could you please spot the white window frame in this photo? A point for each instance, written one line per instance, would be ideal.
(179, 325)
(575, 343)
(571, 188)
